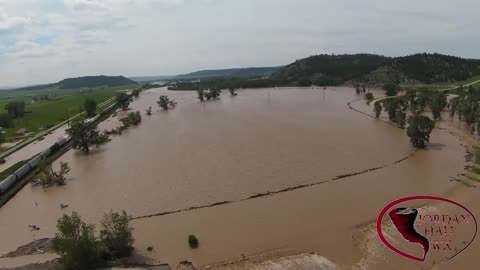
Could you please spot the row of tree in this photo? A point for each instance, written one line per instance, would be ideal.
(414, 102)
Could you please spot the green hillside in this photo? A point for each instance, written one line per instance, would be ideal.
(329, 69)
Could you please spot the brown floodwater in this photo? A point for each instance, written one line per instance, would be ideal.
(329, 170)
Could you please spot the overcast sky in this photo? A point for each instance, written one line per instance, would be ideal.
(45, 41)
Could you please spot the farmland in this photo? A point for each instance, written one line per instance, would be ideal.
(51, 111)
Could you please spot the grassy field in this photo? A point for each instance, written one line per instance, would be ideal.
(54, 111)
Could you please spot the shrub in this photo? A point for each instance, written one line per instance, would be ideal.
(75, 243)
(192, 241)
(49, 177)
(116, 234)
(166, 103)
(369, 96)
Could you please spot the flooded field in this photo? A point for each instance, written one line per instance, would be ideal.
(266, 174)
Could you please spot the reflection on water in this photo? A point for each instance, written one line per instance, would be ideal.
(234, 148)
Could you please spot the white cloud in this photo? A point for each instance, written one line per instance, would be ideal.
(47, 40)
(11, 22)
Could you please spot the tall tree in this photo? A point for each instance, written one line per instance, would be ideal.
(84, 136)
(15, 109)
(90, 107)
(75, 243)
(123, 100)
(391, 89)
(419, 129)
(377, 108)
(166, 103)
(438, 101)
(116, 234)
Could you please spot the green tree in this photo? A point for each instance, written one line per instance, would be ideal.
(85, 135)
(116, 234)
(132, 118)
(123, 100)
(215, 93)
(400, 118)
(369, 96)
(166, 103)
(90, 107)
(75, 243)
(419, 129)
(452, 105)
(391, 89)
(136, 93)
(438, 101)
(377, 108)
(423, 99)
(15, 109)
(233, 91)
(201, 94)
(48, 176)
(192, 241)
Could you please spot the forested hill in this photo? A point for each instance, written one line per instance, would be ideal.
(330, 69)
(435, 68)
(87, 81)
(95, 81)
(376, 69)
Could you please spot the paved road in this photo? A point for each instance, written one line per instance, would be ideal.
(443, 90)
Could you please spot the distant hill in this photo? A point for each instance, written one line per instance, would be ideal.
(425, 68)
(151, 78)
(95, 81)
(377, 69)
(87, 81)
(329, 69)
(232, 72)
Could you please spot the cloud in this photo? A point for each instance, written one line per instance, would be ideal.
(54, 39)
(8, 23)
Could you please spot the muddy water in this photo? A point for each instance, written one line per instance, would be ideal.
(348, 165)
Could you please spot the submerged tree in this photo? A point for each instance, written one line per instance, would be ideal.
(369, 96)
(438, 101)
(132, 118)
(233, 91)
(166, 103)
(201, 94)
(215, 93)
(75, 243)
(149, 111)
(85, 135)
(116, 234)
(419, 129)
(48, 176)
(377, 108)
